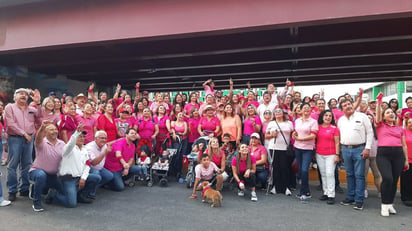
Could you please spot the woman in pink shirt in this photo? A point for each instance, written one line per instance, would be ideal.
(193, 103)
(304, 135)
(261, 155)
(251, 124)
(406, 176)
(89, 122)
(68, 122)
(163, 121)
(179, 128)
(327, 154)
(48, 113)
(147, 130)
(244, 171)
(392, 155)
(209, 123)
(192, 125)
(106, 122)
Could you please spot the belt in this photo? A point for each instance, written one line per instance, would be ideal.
(19, 135)
(67, 177)
(353, 146)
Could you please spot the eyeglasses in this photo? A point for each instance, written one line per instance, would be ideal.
(278, 110)
(267, 112)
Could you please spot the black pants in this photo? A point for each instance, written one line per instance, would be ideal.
(250, 181)
(390, 162)
(406, 185)
(281, 170)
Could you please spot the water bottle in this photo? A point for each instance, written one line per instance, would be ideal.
(3, 136)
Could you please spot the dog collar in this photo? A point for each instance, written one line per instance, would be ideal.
(204, 190)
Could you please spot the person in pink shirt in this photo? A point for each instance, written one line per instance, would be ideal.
(210, 101)
(261, 155)
(193, 123)
(327, 154)
(159, 101)
(48, 113)
(209, 87)
(89, 122)
(406, 175)
(45, 167)
(304, 135)
(244, 171)
(121, 160)
(251, 124)
(147, 130)
(163, 121)
(251, 99)
(206, 170)
(209, 123)
(193, 103)
(68, 122)
(179, 129)
(392, 155)
(106, 123)
(123, 122)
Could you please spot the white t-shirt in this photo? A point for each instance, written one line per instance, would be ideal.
(279, 144)
(262, 108)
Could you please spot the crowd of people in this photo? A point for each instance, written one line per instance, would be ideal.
(69, 147)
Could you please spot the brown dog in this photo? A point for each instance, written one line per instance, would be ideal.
(210, 194)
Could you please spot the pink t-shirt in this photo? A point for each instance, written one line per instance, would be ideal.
(389, 136)
(325, 144)
(162, 124)
(305, 128)
(146, 128)
(123, 125)
(258, 153)
(188, 107)
(209, 91)
(337, 113)
(243, 164)
(112, 162)
(408, 140)
(206, 173)
(193, 133)
(248, 128)
(48, 156)
(209, 125)
(89, 125)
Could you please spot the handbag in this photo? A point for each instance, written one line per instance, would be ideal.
(289, 150)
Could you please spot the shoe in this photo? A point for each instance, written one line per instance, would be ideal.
(391, 209)
(253, 196)
(308, 196)
(50, 196)
(12, 196)
(384, 210)
(358, 206)
(3, 163)
(24, 193)
(84, 199)
(37, 207)
(288, 192)
(330, 201)
(347, 202)
(241, 193)
(304, 197)
(31, 191)
(147, 177)
(5, 203)
(323, 198)
(273, 191)
(366, 193)
(338, 189)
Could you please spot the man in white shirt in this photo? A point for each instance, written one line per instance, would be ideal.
(266, 105)
(356, 140)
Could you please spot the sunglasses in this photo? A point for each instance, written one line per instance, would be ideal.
(267, 113)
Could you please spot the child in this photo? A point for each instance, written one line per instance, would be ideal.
(163, 160)
(227, 146)
(206, 171)
(143, 162)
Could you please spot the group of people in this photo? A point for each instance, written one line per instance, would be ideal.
(83, 143)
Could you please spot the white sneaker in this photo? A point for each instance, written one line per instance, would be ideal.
(5, 203)
(273, 191)
(253, 196)
(366, 193)
(384, 210)
(391, 209)
(288, 192)
(241, 193)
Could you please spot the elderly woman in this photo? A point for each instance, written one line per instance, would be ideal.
(48, 108)
(392, 155)
(232, 125)
(210, 101)
(147, 130)
(260, 154)
(106, 122)
(251, 124)
(209, 123)
(304, 135)
(244, 171)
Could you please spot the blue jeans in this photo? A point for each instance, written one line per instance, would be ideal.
(262, 177)
(42, 180)
(303, 158)
(117, 184)
(70, 190)
(1, 190)
(142, 170)
(245, 139)
(355, 172)
(20, 153)
(1, 150)
(106, 177)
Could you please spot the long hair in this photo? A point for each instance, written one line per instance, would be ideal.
(248, 161)
(209, 147)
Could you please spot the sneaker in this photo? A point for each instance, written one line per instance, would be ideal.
(37, 207)
(12, 196)
(330, 201)
(253, 196)
(147, 177)
(308, 196)
(358, 206)
(5, 203)
(241, 193)
(273, 191)
(24, 193)
(323, 198)
(305, 198)
(288, 192)
(3, 163)
(366, 193)
(31, 191)
(347, 202)
(338, 189)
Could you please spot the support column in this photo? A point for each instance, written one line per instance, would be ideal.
(400, 86)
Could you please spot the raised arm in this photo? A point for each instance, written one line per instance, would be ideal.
(91, 94)
(378, 118)
(41, 133)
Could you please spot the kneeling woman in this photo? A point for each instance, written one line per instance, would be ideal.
(244, 170)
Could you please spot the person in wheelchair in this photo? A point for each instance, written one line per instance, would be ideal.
(207, 170)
